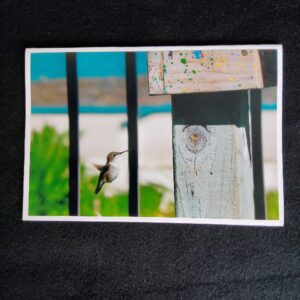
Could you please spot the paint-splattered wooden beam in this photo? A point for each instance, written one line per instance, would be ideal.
(177, 72)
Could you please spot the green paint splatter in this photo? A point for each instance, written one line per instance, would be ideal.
(183, 61)
(164, 69)
(194, 71)
(211, 59)
(180, 53)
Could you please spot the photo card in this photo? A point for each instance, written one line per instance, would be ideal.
(189, 134)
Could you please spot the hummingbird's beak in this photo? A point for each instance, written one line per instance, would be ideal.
(122, 152)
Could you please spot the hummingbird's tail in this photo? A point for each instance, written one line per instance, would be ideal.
(99, 186)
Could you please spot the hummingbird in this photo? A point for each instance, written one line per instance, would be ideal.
(108, 172)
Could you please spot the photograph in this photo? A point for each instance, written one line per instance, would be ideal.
(154, 134)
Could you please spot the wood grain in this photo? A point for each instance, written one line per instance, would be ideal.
(173, 72)
(155, 72)
(213, 173)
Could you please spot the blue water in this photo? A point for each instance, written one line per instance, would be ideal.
(143, 110)
(89, 64)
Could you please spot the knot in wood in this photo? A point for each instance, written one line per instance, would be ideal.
(244, 52)
(195, 138)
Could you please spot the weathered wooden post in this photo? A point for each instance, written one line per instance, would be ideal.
(213, 174)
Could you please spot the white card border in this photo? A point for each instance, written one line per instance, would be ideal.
(242, 222)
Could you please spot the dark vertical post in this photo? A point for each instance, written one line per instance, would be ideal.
(213, 108)
(257, 158)
(132, 112)
(73, 110)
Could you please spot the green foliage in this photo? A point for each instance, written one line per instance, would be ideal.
(150, 197)
(273, 205)
(150, 200)
(48, 188)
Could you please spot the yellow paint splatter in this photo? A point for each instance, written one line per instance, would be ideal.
(220, 61)
(232, 78)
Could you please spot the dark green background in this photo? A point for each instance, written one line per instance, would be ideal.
(143, 261)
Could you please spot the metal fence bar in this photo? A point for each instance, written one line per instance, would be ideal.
(73, 110)
(132, 113)
(257, 158)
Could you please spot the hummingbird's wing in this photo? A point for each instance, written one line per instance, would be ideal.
(101, 179)
(98, 167)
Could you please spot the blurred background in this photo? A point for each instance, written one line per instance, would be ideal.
(103, 128)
